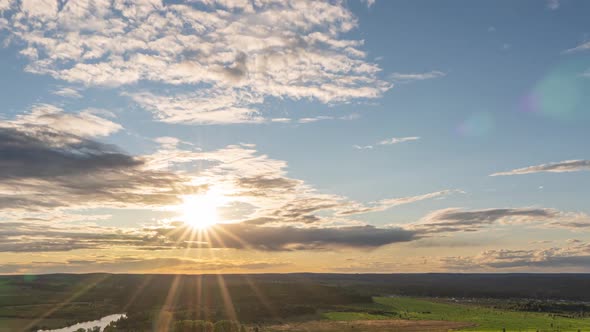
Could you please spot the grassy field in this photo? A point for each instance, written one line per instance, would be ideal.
(485, 319)
(367, 326)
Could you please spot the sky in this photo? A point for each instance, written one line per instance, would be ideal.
(257, 136)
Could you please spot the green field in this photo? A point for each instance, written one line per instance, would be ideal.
(487, 319)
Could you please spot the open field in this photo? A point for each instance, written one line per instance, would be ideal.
(478, 318)
(368, 326)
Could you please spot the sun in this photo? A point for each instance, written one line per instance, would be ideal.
(200, 211)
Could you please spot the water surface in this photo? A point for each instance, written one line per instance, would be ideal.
(102, 323)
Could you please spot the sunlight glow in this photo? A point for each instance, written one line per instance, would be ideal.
(201, 211)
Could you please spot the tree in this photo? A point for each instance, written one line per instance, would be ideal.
(227, 326)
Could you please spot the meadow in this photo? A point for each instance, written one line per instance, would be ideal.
(292, 303)
(482, 318)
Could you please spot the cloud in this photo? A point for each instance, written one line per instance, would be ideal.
(363, 147)
(35, 236)
(559, 167)
(324, 117)
(315, 119)
(385, 204)
(280, 120)
(67, 92)
(553, 4)
(5, 4)
(460, 220)
(412, 77)
(369, 3)
(579, 48)
(126, 264)
(574, 256)
(203, 107)
(267, 195)
(281, 238)
(396, 140)
(43, 168)
(389, 141)
(242, 52)
(87, 123)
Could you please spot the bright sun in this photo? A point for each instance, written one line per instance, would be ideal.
(200, 211)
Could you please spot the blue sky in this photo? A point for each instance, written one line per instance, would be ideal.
(401, 109)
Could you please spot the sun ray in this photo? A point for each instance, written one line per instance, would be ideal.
(69, 300)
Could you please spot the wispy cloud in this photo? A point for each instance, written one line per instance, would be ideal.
(388, 141)
(67, 92)
(412, 77)
(579, 48)
(87, 123)
(369, 3)
(315, 119)
(397, 140)
(385, 204)
(553, 4)
(558, 167)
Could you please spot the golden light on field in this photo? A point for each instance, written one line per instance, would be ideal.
(201, 211)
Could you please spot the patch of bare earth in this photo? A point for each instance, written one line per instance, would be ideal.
(370, 326)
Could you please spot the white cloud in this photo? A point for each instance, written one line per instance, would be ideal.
(67, 92)
(5, 4)
(87, 123)
(202, 107)
(280, 120)
(315, 119)
(397, 140)
(385, 204)
(553, 4)
(363, 147)
(412, 77)
(42, 9)
(581, 47)
(262, 49)
(559, 167)
(389, 141)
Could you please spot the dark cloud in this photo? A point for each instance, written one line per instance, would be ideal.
(47, 168)
(242, 235)
(47, 154)
(262, 182)
(457, 220)
(43, 237)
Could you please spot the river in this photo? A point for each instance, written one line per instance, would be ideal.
(102, 323)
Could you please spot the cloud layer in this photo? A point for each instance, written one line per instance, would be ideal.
(219, 59)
